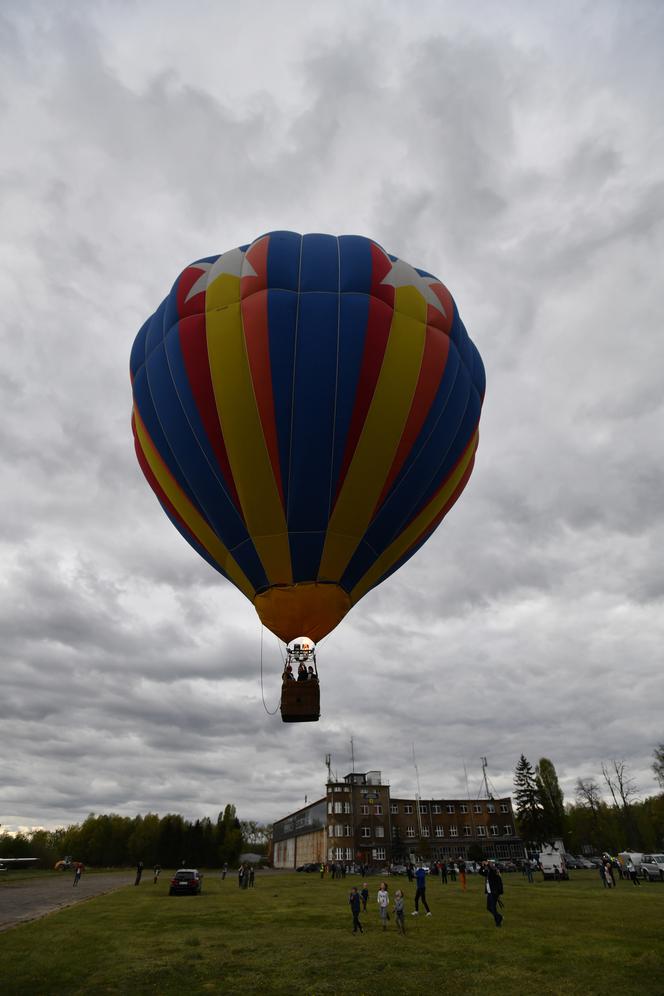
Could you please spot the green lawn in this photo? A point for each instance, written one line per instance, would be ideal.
(292, 934)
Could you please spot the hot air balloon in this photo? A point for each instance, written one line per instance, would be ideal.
(306, 410)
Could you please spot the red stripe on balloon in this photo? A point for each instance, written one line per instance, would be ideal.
(254, 296)
(434, 358)
(379, 323)
(193, 344)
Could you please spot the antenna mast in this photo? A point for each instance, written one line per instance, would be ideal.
(417, 795)
(489, 793)
(328, 762)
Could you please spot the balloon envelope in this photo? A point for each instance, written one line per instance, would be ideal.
(306, 410)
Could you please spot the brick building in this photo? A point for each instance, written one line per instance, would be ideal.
(358, 820)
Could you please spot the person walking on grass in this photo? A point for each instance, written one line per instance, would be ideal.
(631, 872)
(157, 873)
(365, 897)
(78, 870)
(462, 874)
(421, 891)
(354, 901)
(399, 911)
(443, 873)
(139, 872)
(383, 900)
(493, 889)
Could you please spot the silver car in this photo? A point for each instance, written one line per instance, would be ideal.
(652, 867)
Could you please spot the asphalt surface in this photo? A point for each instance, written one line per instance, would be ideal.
(22, 900)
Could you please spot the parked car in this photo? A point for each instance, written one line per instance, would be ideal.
(572, 862)
(399, 870)
(583, 862)
(186, 882)
(652, 867)
(311, 866)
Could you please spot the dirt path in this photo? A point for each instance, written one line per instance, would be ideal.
(29, 899)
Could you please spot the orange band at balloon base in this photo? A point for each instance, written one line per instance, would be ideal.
(309, 609)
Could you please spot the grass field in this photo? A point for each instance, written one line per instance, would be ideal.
(292, 934)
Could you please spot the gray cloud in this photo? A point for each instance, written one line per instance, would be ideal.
(501, 153)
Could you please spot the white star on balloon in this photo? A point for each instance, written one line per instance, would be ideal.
(233, 263)
(404, 275)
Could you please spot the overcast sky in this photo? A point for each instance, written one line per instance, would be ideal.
(516, 150)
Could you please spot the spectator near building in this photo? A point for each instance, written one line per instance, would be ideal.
(358, 822)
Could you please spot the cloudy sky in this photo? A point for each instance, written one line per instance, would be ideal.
(516, 150)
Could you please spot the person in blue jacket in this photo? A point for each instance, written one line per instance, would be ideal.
(420, 892)
(354, 900)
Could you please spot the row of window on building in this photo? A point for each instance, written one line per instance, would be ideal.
(341, 830)
(436, 808)
(379, 853)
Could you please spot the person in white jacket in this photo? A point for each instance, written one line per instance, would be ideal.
(383, 902)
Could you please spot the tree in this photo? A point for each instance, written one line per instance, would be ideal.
(528, 807)
(551, 800)
(623, 792)
(658, 763)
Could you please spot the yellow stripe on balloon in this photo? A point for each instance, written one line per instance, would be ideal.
(242, 430)
(418, 526)
(381, 434)
(192, 518)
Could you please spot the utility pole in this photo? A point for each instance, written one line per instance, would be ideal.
(352, 754)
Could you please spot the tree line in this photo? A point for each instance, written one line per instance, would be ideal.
(110, 840)
(606, 814)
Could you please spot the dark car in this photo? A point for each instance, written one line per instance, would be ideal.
(310, 867)
(186, 882)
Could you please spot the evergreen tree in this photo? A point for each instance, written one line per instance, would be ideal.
(658, 763)
(528, 808)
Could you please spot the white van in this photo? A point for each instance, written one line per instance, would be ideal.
(552, 862)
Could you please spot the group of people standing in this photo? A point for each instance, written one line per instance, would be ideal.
(245, 876)
(304, 673)
(493, 890)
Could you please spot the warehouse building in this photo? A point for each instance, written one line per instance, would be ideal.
(359, 821)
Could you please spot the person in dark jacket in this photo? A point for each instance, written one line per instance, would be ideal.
(493, 889)
(354, 900)
(421, 891)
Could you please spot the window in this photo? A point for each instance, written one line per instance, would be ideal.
(504, 808)
(379, 853)
(477, 808)
(330, 831)
(494, 830)
(410, 831)
(450, 809)
(329, 808)
(348, 830)
(347, 807)
(346, 789)
(349, 854)
(408, 808)
(481, 831)
(507, 829)
(337, 807)
(466, 830)
(440, 831)
(424, 808)
(380, 831)
(364, 809)
(394, 809)
(330, 854)
(338, 830)
(454, 832)
(490, 808)
(425, 831)
(365, 831)
(463, 808)
(378, 810)
(339, 853)
(436, 808)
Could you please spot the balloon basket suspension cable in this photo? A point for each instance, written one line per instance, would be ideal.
(270, 712)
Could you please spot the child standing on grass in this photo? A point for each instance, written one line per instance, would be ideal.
(398, 911)
(383, 900)
(365, 896)
(354, 900)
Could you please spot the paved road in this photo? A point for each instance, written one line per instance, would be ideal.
(28, 899)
